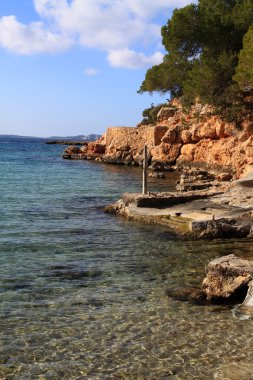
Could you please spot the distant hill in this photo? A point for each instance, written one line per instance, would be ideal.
(91, 137)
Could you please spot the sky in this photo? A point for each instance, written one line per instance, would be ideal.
(70, 67)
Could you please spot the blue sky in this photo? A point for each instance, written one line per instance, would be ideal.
(73, 67)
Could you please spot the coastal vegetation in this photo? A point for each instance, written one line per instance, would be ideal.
(209, 56)
(150, 114)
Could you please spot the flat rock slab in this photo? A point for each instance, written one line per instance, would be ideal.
(220, 212)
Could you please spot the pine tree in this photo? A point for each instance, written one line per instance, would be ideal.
(209, 53)
(244, 70)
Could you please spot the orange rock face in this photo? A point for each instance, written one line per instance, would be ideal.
(195, 138)
(166, 153)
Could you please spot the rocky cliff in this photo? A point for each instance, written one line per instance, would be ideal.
(197, 138)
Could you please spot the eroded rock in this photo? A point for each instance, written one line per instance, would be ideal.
(222, 228)
(165, 113)
(227, 277)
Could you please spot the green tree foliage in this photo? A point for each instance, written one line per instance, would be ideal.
(203, 44)
(178, 39)
(150, 114)
(244, 70)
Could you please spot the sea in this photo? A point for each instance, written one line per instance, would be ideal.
(85, 295)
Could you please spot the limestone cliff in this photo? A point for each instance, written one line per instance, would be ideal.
(194, 138)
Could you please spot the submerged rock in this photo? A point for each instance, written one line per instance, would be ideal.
(70, 273)
(189, 294)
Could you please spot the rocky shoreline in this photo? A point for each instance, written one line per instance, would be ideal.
(202, 207)
(214, 197)
(66, 142)
(179, 140)
(223, 211)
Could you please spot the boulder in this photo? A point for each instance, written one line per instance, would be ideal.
(128, 159)
(96, 148)
(206, 130)
(170, 136)
(227, 277)
(166, 153)
(186, 136)
(71, 150)
(84, 149)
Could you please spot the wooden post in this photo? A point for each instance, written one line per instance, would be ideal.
(145, 170)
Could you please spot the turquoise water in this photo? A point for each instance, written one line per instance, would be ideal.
(83, 293)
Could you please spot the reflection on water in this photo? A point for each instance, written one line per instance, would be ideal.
(84, 294)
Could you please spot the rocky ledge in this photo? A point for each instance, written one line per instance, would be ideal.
(222, 210)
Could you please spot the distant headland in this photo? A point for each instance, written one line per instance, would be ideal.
(65, 140)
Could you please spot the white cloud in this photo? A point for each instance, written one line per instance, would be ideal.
(132, 60)
(90, 71)
(30, 39)
(114, 26)
(145, 8)
(103, 24)
(46, 8)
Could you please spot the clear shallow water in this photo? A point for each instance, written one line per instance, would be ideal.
(83, 293)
